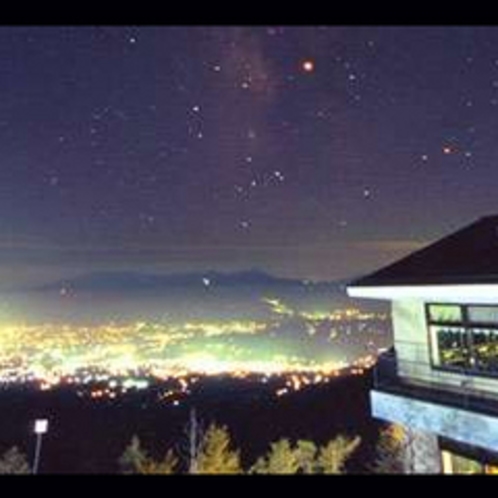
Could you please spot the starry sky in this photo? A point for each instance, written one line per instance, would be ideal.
(318, 152)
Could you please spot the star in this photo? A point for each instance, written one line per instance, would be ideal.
(278, 175)
(54, 181)
(308, 66)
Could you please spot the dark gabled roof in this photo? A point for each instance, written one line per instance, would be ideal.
(469, 256)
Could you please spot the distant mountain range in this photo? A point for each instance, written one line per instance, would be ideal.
(137, 281)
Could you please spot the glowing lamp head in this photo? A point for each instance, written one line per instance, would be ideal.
(41, 426)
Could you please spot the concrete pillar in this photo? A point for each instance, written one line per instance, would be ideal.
(422, 455)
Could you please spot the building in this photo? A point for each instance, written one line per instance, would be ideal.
(440, 380)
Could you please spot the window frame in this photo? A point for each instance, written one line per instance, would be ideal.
(465, 324)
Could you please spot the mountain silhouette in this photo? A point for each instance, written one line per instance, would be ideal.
(137, 281)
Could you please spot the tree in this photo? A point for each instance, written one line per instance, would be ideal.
(306, 456)
(390, 451)
(14, 462)
(215, 455)
(166, 466)
(333, 456)
(281, 459)
(134, 459)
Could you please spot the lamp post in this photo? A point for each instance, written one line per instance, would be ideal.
(41, 427)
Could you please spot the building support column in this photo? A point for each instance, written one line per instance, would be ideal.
(422, 455)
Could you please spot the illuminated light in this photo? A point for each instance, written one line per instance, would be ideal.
(447, 150)
(113, 353)
(308, 66)
(41, 426)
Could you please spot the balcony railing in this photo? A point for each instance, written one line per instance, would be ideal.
(463, 394)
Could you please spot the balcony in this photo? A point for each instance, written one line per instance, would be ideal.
(464, 396)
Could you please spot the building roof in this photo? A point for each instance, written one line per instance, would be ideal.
(468, 256)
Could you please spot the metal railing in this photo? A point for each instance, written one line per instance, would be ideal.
(419, 380)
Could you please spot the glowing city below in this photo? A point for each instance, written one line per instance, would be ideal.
(110, 360)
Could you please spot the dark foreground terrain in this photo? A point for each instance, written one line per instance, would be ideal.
(87, 436)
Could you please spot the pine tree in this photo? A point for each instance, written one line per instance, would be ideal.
(390, 451)
(166, 466)
(281, 459)
(134, 459)
(14, 462)
(333, 455)
(306, 456)
(215, 455)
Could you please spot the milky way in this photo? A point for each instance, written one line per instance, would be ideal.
(311, 152)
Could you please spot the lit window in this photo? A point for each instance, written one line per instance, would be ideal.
(446, 313)
(464, 337)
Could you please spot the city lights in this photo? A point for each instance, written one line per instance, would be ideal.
(109, 360)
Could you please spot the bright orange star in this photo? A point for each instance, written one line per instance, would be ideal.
(308, 66)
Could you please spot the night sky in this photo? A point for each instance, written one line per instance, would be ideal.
(309, 152)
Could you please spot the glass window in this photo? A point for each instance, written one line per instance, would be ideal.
(464, 465)
(483, 314)
(445, 313)
(464, 337)
(452, 346)
(491, 469)
(485, 349)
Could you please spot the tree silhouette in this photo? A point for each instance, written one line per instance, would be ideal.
(14, 462)
(166, 466)
(215, 455)
(134, 459)
(305, 458)
(333, 456)
(390, 451)
(306, 452)
(281, 459)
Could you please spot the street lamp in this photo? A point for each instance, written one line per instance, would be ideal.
(41, 427)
